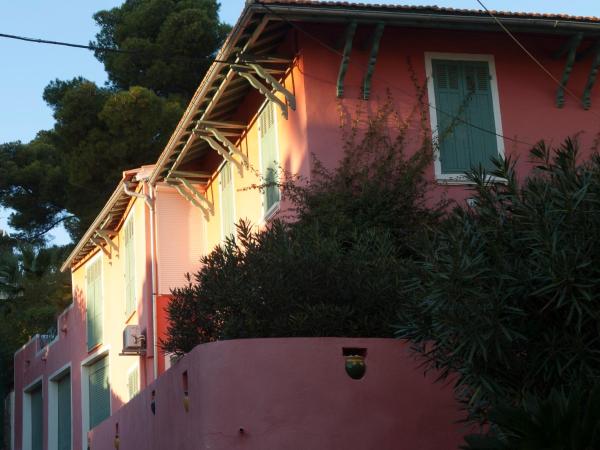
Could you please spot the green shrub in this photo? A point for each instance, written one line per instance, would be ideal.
(506, 294)
(331, 271)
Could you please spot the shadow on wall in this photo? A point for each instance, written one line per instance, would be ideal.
(287, 394)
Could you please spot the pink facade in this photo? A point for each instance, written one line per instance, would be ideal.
(289, 394)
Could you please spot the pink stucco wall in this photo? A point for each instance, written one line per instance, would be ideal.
(289, 394)
(527, 95)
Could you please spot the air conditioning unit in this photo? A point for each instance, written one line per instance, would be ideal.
(133, 339)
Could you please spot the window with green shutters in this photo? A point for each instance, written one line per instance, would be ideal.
(94, 306)
(133, 382)
(269, 157)
(37, 418)
(63, 388)
(227, 201)
(464, 113)
(129, 250)
(99, 392)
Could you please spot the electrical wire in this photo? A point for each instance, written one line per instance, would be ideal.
(531, 55)
(375, 75)
(65, 44)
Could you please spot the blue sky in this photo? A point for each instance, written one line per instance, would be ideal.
(26, 68)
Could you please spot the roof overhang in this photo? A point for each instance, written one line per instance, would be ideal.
(262, 25)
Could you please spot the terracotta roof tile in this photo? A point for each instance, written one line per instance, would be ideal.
(434, 9)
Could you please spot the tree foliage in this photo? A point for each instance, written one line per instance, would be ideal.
(505, 296)
(333, 271)
(67, 173)
(167, 44)
(563, 421)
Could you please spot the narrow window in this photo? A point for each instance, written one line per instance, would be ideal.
(128, 243)
(94, 306)
(227, 201)
(37, 418)
(466, 125)
(133, 382)
(63, 395)
(269, 158)
(99, 392)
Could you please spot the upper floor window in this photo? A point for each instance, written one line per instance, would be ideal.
(129, 250)
(227, 201)
(269, 157)
(465, 113)
(94, 303)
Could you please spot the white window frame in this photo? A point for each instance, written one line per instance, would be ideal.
(26, 431)
(266, 215)
(429, 56)
(226, 165)
(87, 264)
(130, 314)
(101, 352)
(53, 404)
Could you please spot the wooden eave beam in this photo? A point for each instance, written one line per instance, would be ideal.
(223, 152)
(571, 48)
(212, 123)
(375, 42)
(349, 38)
(188, 174)
(227, 143)
(106, 237)
(198, 195)
(264, 74)
(190, 198)
(264, 91)
(98, 244)
(587, 91)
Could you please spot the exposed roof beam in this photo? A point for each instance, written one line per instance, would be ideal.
(98, 244)
(263, 73)
(571, 48)
(198, 195)
(349, 37)
(232, 148)
(185, 194)
(212, 123)
(264, 91)
(105, 236)
(188, 174)
(376, 40)
(223, 152)
(587, 92)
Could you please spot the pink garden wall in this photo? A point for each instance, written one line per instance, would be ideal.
(289, 394)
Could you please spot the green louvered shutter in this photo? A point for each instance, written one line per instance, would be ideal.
(133, 383)
(269, 155)
(64, 412)
(463, 98)
(94, 304)
(37, 419)
(227, 199)
(99, 392)
(129, 268)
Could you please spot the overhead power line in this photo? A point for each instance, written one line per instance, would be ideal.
(65, 44)
(531, 55)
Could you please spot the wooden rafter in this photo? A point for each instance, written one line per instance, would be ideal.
(350, 30)
(261, 72)
(571, 49)
(587, 92)
(264, 91)
(227, 143)
(223, 152)
(106, 237)
(198, 195)
(376, 40)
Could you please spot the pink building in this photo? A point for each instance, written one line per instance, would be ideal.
(274, 98)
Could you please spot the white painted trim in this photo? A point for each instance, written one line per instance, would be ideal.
(26, 429)
(455, 178)
(266, 215)
(91, 261)
(101, 352)
(135, 302)
(53, 405)
(226, 166)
